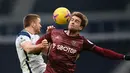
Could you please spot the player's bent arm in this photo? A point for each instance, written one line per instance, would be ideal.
(109, 53)
(44, 50)
(30, 48)
(46, 36)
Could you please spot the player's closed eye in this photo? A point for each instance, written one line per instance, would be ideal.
(72, 19)
(77, 21)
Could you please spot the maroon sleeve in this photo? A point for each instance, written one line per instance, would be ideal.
(45, 36)
(108, 53)
(87, 45)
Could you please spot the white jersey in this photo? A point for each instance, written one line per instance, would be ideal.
(35, 62)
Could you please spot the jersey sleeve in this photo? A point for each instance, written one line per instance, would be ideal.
(107, 53)
(87, 45)
(45, 36)
(23, 39)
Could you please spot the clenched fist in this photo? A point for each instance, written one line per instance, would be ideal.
(44, 43)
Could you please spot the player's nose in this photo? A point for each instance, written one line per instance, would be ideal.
(72, 23)
(40, 26)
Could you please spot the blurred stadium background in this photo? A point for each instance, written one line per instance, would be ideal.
(109, 27)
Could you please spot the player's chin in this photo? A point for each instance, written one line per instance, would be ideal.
(38, 32)
(72, 28)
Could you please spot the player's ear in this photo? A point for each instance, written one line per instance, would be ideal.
(30, 22)
(33, 23)
(81, 28)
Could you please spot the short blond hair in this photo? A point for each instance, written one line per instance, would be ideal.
(29, 18)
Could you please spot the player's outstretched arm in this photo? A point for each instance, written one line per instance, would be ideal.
(88, 45)
(109, 53)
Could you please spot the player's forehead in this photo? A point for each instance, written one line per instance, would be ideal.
(76, 18)
(38, 20)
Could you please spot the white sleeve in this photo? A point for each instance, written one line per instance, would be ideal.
(23, 38)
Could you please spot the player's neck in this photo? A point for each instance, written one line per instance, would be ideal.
(30, 30)
(72, 33)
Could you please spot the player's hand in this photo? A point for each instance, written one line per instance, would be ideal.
(45, 43)
(50, 28)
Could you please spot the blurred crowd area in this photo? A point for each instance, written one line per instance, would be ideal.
(92, 7)
(109, 27)
(105, 16)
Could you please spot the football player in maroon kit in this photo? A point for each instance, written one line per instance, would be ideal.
(67, 44)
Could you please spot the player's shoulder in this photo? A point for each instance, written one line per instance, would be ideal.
(82, 37)
(86, 40)
(23, 35)
(57, 30)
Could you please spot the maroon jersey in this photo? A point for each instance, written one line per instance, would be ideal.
(64, 51)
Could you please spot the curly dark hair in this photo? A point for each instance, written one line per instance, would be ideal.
(84, 19)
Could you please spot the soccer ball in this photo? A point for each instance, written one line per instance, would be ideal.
(61, 15)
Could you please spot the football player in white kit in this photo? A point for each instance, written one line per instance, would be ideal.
(31, 60)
